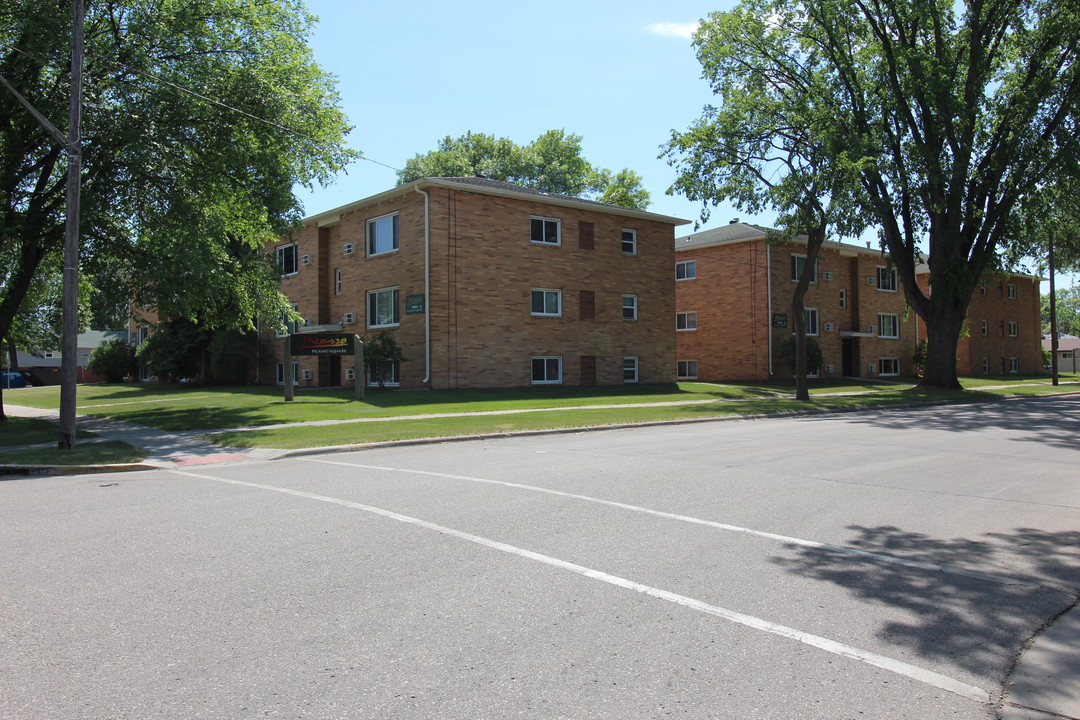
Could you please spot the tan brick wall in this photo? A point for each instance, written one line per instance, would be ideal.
(483, 268)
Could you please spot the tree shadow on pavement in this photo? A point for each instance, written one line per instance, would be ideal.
(977, 624)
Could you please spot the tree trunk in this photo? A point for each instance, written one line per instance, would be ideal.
(942, 337)
(815, 237)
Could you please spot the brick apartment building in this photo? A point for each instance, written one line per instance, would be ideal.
(486, 284)
(733, 300)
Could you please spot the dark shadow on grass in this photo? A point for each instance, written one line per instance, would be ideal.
(977, 624)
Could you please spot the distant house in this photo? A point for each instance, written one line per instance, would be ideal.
(1068, 354)
(44, 365)
(484, 284)
(733, 303)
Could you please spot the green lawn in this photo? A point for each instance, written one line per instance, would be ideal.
(31, 431)
(101, 453)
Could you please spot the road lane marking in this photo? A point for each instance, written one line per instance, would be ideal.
(878, 557)
(899, 667)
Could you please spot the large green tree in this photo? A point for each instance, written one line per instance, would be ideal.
(552, 163)
(948, 114)
(200, 118)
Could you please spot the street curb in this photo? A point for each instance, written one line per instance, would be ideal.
(8, 472)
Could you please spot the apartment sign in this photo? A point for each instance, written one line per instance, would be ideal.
(779, 320)
(414, 304)
(323, 344)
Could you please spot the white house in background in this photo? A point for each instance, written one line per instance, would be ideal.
(1068, 355)
(45, 364)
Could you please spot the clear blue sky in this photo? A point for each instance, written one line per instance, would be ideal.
(620, 73)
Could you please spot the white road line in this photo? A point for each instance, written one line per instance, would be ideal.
(899, 667)
(878, 557)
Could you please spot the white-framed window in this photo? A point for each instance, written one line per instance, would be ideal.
(382, 234)
(888, 366)
(547, 370)
(1011, 291)
(843, 299)
(685, 270)
(288, 326)
(1067, 355)
(547, 231)
(985, 327)
(811, 315)
(286, 259)
(1014, 328)
(629, 307)
(798, 262)
(630, 369)
(886, 279)
(686, 321)
(629, 242)
(1014, 365)
(888, 325)
(986, 366)
(686, 369)
(295, 373)
(383, 308)
(386, 371)
(546, 302)
(337, 282)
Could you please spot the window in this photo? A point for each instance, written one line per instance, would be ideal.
(382, 235)
(888, 366)
(383, 373)
(630, 369)
(843, 299)
(337, 282)
(888, 325)
(1067, 355)
(686, 321)
(546, 230)
(288, 326)
(281, 373)
(546, 370)
(798, 262)
(629, 307)
(686, 270)
(383, 308)
(286, 259)
(886, 279)
(985, 328)
(629, 242)
(1014, 329)
(1014, 364)
(811, 315)
(1011, 291)
(687, 369)
(1001, 328)
(546, 302)
(986, 366)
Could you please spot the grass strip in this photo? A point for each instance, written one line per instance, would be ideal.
(31, 431)
(103, 453)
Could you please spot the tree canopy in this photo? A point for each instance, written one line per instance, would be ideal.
(935, 117)
(552, 163)
(200, 117)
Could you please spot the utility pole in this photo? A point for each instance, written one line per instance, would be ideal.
(72, 142)
(1053, 316)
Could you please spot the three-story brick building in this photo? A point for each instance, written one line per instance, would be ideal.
(486, 284)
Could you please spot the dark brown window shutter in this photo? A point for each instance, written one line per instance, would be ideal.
(587, 305)
(585, 235)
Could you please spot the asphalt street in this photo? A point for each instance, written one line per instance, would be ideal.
(887, 564)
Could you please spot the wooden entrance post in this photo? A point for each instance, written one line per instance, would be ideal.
(358, 368)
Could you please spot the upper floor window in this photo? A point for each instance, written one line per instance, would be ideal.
(889, 325)
(629, 242)
(337, 282)
(798, 263)
(546, 302)
(686, 270)
(811, 315)
(1011, 291)
(286, 259)
(985, 327)
(383, 310)
(382, 234)
(686, 321)
(886, 279)
(288, 326)
(629, 307)
(546, 230)
(843, 299)
(1014, 328)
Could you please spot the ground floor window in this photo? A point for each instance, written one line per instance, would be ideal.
(630, 369)
(281, 373)
(1014, 364)
(546, 370)
(687, 369)
(888, 366)
(986, 366)
(385, 373)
